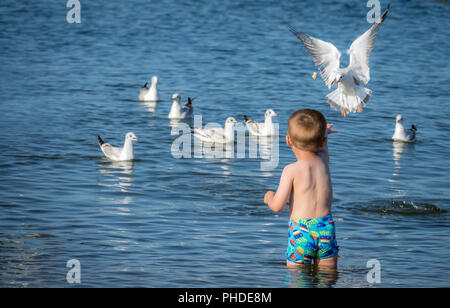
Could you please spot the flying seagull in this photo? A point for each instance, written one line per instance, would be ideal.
(349, 96)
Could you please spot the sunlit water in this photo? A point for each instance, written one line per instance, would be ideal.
(165, 222)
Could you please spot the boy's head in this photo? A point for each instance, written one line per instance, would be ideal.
(307, 130)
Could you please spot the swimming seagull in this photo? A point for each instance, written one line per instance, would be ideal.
(217, 134)
(400, 134)
(262, 129)
(119, 154)
(349, 96)
(180, 112)
(149, 94)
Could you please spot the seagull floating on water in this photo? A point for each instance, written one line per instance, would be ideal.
(119, 154)
(349, 96)
(149, 94)
(177, 111)
(400, 134)
(262, 129)
(217, 134)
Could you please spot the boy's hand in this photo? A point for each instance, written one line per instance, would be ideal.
(268, 196)
(329, 130)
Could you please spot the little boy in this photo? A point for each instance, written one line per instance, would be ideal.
(308, 184)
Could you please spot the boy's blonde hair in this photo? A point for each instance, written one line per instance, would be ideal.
(307, 129)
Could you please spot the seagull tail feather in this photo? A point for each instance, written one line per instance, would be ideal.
(349, 103)
(383, 16)
(100, 141)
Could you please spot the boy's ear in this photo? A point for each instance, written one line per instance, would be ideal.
(324, 142)
(288, 141)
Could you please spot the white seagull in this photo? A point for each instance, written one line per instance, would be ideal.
(119, 154)
(177, 111)
(400, 134)
(262, 129)
(217, 134)
(349, 96)
(149, 94)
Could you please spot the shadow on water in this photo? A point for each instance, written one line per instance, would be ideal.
(397, 151)
(116, 175)
(150, 106)
(310, 276)
(180, 126)
(268, 146)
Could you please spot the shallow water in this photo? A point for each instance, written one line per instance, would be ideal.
(166, 222)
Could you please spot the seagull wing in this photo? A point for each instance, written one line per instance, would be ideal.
(257, 129)
(110, 151)
(325, 55)
(217, 134)
(411, 135)
(360, 50)
(253, 127)
(209, 135)
(186, 111)
(144, 91)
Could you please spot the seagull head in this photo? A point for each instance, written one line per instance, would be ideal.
(176, 97)
(154, 80)
(131, 136)
(231, 121)
(270, 113)
(399, 118)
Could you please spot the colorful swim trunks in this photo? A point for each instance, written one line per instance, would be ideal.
(311, 238)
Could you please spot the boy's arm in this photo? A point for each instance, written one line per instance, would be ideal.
(277, 201)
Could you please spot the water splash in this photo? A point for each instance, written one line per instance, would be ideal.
(402, 208)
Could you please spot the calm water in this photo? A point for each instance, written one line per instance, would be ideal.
(166, 222)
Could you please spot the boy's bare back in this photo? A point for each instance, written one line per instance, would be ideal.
(311, 194)
(307, 185)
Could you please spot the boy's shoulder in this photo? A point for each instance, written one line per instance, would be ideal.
(292, 168)
(299, 165)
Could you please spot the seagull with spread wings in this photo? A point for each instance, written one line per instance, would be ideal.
(349, 96)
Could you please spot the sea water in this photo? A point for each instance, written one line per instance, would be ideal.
(163, 221)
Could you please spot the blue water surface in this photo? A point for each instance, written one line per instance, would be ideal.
(160, 221)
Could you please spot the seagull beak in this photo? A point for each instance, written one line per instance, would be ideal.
(275, 114)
